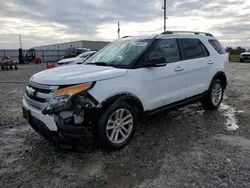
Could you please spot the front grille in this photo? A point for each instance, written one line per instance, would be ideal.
(38, 95)
(36, 98)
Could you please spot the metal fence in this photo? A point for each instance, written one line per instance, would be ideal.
(47, 55)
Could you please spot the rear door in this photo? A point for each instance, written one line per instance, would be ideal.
(198, 66)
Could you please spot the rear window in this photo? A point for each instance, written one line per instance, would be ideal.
(217, 46)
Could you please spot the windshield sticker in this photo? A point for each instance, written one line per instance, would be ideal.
(139, 43)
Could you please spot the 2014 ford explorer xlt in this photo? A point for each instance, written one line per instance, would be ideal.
(128, 77)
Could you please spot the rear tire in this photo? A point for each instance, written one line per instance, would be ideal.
(116, 126)
(214, 96)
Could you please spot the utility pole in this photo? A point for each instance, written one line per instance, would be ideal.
(165, 13)
(20, 41)
(118, 31)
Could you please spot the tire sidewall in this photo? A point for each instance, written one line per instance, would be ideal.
(103, 139)
(214, 82)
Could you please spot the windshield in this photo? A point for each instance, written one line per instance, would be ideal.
(83, 55)
(248, 50)
(120, 53)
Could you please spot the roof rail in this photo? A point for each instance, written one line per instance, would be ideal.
(191, 32)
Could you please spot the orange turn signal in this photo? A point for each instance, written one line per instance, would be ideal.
(72, 90)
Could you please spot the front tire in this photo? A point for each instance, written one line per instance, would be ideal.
(214, 97)
(117, 126)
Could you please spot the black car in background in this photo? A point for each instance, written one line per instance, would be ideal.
(73, 52)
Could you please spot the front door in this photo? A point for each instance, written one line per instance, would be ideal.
(167, 84)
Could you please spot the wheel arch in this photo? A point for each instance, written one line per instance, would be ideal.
(131, 99)
(222, 77)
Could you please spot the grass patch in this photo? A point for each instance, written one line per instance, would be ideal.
(235, 57)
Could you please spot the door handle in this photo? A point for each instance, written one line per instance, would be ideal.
(179, 69)
(210, 62)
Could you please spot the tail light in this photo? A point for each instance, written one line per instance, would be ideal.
(228, 57)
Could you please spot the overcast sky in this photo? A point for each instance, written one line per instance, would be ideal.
(42, 22)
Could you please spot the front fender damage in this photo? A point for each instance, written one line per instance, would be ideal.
(81, 110)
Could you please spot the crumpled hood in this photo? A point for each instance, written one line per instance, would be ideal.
(70, 60)
(76, 74)
(245, 53)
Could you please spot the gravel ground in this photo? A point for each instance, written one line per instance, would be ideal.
(189, 147)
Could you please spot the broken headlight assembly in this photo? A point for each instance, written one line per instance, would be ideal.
(62, 98)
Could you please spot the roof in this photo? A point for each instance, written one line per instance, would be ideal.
(171, 34)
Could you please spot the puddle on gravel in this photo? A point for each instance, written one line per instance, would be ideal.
(234, 140)
(81, 170)
(230, 114)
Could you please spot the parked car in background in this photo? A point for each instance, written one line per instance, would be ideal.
(73, 52)
(125, 79)
(76, 60)
(245, 56)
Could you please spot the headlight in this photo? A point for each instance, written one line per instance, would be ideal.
(61, 98)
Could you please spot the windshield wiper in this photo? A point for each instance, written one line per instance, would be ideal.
(98, 63)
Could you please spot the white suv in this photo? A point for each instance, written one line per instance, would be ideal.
(127, 78)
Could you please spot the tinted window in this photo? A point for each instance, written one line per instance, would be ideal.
(167, 48)
(193, 48)
(217, 46)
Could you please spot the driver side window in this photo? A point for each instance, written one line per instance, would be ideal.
(167, 48)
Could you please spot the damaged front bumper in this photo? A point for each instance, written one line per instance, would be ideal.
(65, 126)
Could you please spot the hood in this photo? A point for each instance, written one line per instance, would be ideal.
(69, 60)
(76, 74)
(245, 53)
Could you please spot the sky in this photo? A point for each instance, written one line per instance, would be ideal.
(42, 22)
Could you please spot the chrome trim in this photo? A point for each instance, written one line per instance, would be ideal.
(33, 92)
(35, 104)
(42, 86)
(43, 95)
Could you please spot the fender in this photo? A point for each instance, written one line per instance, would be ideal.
(222, 76)
(123, 97)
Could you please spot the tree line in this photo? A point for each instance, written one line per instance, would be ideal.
(237, 50)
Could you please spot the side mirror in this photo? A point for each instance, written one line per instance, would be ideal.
(156, 62)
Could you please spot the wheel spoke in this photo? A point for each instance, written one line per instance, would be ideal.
(116, 135)
(125, 118)
(126, 131)
(112, 134)
(127, 122)
(123, 135)
(110, 127)
(121, 113)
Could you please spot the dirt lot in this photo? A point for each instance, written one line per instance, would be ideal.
(189, 147)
